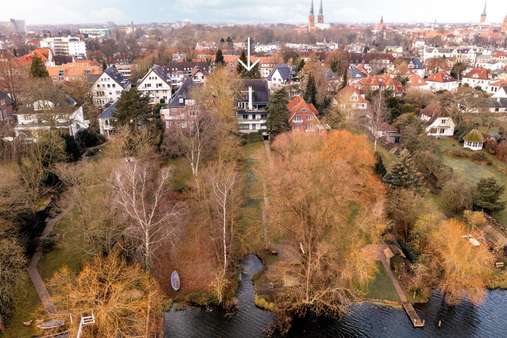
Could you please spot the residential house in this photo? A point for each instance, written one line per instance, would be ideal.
(106, 120)
(498, 105)
(477, 77)
(43, 115)
(181, 106)
(46, 55)
(108, 87)
(441, 127)
(279, 77)
(416, 82)
(75, 71)
(351, 101)
(500, 92)
(442, 81)
(177, 72)
(473, 140)
(156, 84)
(252, 105)
(303, 116)
(377, 82)
(416, 66)
(6, 107)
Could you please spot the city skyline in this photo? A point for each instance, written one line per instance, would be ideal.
(245, 11)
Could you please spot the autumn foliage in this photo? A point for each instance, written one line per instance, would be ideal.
(326, 206)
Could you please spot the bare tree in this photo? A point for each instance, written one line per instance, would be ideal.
(376, 117)
(223, 184)
(193, 137)
(143, 198)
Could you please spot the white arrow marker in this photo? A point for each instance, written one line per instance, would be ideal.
(250, 66)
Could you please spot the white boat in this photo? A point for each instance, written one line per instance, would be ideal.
(175, 281)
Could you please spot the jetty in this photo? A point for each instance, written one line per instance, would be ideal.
(384, 254)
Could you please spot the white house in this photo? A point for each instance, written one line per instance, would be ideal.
(473, 140)
(108, 87)
(43, 115)
(441, 127)
(500, 92)
(442, 81)
(156, 84)
(106, 126)
(251, 108)
(477, 77)
(279, 77)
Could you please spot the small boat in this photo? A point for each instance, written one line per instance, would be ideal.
(52, 324)
(175, 281)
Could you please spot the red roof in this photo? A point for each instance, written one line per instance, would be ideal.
(441, 77)
(478, 73)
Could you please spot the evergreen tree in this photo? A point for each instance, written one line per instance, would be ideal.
(379, 168)
(487, 196)
(219, 58)
(38, 69)
(278, 113)
(253, 74)
(310, 95)
(404, 173)
(133, 109)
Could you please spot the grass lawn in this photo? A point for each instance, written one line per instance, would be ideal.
(68, 250)
(471, 171)
(251, 210)
(26, 307)
(381, 287)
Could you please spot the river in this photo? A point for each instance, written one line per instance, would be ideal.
(488, 320)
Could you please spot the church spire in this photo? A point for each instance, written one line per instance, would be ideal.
(484, 12)
(321, 10)
(311, 9)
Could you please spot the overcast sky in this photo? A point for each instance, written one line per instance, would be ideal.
(247, 11)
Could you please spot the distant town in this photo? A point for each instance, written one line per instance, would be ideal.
(156, 179)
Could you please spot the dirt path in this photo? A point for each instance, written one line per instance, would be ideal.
(33, 271)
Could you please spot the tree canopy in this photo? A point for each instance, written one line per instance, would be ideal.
(38, 69)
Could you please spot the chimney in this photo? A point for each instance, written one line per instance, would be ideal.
(250, 98)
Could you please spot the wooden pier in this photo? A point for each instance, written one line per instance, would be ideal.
(384, 255)
(412, 314)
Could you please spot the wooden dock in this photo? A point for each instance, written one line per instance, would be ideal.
(412, 314)
(385, 255)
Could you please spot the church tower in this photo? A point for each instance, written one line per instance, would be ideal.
(504, 25)
(311, 19)
(484, 14)
(320, 18)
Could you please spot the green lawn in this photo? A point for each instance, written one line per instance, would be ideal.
(26, 307)
(471, 171)
(251, 210)
(68, 250)
(381, 287)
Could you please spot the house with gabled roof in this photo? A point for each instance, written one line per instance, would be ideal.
(279, 77)
(441, 127)
(106, 120)
(156, 85)
(442, 81)
(181, 106)
(477, 77)
(303, 116)
(43, 115)
(108, 87)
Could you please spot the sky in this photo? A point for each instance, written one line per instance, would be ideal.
(246, 11)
